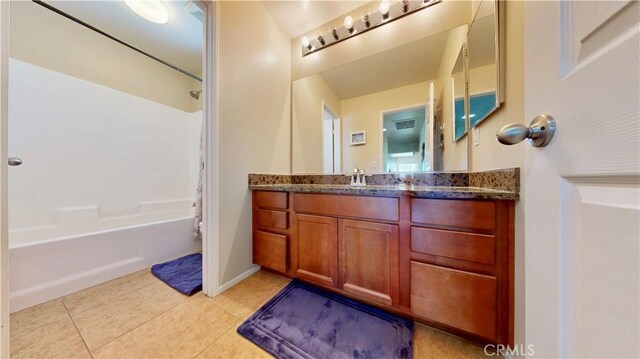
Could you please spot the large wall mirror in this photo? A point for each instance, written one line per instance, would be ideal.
(388, 112)
(485, 89)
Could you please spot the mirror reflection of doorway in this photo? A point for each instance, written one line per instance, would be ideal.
(403, 140)
(330, 141)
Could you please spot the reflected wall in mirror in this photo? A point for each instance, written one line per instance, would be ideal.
(396, 90)
(483, 63)
(458, 95)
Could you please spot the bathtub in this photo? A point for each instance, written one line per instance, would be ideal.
(44, 269)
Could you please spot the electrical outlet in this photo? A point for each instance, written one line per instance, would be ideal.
(374, 164)
(476, 136)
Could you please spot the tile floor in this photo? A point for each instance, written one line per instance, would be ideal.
(137, 316)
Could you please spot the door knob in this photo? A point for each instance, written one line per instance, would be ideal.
(539, 133)
(14, 161)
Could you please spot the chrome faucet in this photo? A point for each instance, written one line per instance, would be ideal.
(358, 178)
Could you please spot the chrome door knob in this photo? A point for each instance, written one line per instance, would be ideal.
(539, 133)
(14, 161)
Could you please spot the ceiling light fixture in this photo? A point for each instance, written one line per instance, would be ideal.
(306, 43)
(384, 9)
(387, 12)
(366, 20)
(348, 24)
(152, 10)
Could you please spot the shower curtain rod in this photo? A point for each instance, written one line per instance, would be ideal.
(88, 26)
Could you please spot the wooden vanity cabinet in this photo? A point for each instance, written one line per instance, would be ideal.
(461, 271)
(448, 263)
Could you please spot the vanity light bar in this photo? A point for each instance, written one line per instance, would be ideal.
(386, 13)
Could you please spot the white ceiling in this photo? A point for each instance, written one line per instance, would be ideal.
(179, 41)
(297, 17)
(408, 64)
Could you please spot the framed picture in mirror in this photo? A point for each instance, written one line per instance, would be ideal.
(358, 138)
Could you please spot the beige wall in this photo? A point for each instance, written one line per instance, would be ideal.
(365, 113)
(430, 21)
(309, 94)
(44, 38)
(254, 112)
(455, 152)
(482, 79)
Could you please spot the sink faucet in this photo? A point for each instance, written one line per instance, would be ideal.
(358, 178)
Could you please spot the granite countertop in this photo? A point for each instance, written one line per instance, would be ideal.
(438, 192)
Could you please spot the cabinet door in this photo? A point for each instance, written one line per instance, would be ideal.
(368, 254)
(317, 249)
(459, 299)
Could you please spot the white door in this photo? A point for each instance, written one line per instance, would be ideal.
(330, 141)
(581, 192)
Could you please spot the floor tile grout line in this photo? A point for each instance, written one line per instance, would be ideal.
(225, 310)
(138, 326)
(110, 300)
(215, 340)
(77, 329)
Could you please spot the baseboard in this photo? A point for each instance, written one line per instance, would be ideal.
(237, 279)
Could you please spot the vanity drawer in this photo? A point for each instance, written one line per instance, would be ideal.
(270, 250)
(459, 299)
(478, 215)
(275, 200)
(478, 248)
(380, 208)
(272, 219)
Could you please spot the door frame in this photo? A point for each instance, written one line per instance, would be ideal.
(337, 122)
(211, 153)
(210, 198)
(381, 137)
(4, 231)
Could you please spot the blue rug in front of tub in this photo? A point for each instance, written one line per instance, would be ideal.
(304, 322)
(183, 274)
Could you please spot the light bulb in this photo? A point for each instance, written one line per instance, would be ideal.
(348, 22)
(152, 10)
(305, 41)
(384, 7)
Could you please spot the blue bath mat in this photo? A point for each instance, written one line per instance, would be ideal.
(183, 274)
(306, 322)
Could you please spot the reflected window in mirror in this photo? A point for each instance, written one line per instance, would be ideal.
(483, 63)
